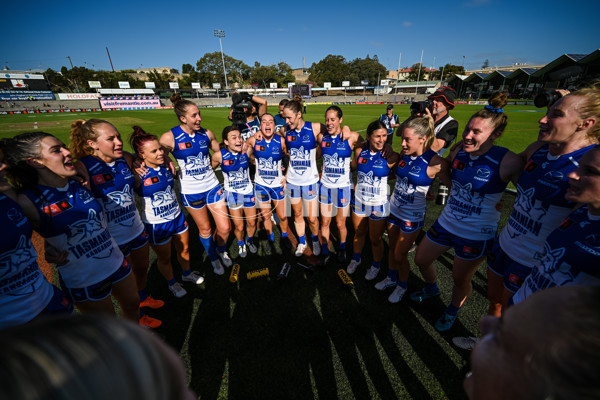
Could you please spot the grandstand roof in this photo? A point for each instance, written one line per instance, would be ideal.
(593, 56)
(553, 65)
(521, 71)
(503, 74)
(476, 76)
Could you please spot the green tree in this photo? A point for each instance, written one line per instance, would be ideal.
(161, 80)
(450, 69)
(413, 75)
(486, 64)
(264, 74)
(332, 68)
(186, 68)
(369, 69)
(210, 67)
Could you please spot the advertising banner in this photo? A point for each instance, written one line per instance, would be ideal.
(130, 103)
(78, 96)
(173, 85)
(195, 85)
(17, 95)
(150, 85)
(94, 84)
(124, 85)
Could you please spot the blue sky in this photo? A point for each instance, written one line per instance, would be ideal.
(157, 34)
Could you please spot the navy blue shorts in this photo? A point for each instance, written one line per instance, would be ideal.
(266, 194)
(199, 200)
(465, 249)
(307, 192)
(339, 197)
(162, 233)
(134, 244)
(100, 290)
(512, 272)
(405, 226)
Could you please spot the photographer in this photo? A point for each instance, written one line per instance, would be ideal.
(391, 122)
(438, 105)
(246, 110)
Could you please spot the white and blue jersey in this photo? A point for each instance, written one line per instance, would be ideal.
(157, 191)
(389, 121)
(235, 172)
(268, 155)
(408, 202)
(570, 256)
(476, 189)
(113, 184)
(72, 220)
(302, 147)
(193, 157)
(540, 205)
(372, 173)
(250, 128)
(24, 291)
(337, 155)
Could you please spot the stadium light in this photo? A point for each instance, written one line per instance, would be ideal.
(221, 34)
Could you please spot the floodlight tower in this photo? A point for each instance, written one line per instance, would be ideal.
(221, 34)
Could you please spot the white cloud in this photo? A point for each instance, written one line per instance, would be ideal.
(407, 23)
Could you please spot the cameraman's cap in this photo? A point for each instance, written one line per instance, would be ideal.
(390, 107)
(446, 93)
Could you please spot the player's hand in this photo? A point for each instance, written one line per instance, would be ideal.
(387, 151)
(54, 256)
(140, 167)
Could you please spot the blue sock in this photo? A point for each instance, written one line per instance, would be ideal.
(143, 295)
(302, 239)
(342, 245)
(403, 284)
(452, 309)
(356, 256)
(315, 238)
(272, 237)
(276, 218)
(240, 243)
(186, 273)
(376, 264)
(283, 235)
(393, 274)
(325, 250)
(431, 288)
(172, 282)
(209, 246)
(249, 239)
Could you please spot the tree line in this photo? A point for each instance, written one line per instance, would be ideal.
(209, 70)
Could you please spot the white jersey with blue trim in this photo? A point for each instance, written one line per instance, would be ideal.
(570, 256)
(337, 155)
(372, 173)
(113, 185)
(157, 191)
(476, 190)
(72, 220)
(540, 205)
(408, 201)
(193, 157)
(24, 291)
(236, 175)
(302, 147)
(268, 155)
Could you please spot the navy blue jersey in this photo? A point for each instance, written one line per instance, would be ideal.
(540, 205)
(570, 256)
(476, 189)
(157, 191)
(268, 155)
(412, 183)
(337, 155)
(279, 122)
(113, 184)
(372, 176)
(302, 147)
(24, 291)
(250, 129)
(235, 172)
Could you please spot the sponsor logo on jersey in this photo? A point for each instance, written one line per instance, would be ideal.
(58, 207)
(326, 144)
(459, 165)
(530, 166)
(185, 145)
(402, 164)
(102, 178)
(151, 181)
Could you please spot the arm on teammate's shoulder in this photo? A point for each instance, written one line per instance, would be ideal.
(511, 167)
(216, 159)
(528, 152)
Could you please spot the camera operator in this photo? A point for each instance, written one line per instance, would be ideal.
(246, 111)
(438, 105)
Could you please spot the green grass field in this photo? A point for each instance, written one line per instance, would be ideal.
(307, 337)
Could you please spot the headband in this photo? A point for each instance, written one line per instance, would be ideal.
(494, 109)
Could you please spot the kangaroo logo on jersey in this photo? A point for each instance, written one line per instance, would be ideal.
(404, 186)
(21, 255)
(300, 159)
(365, 178)
(119, 198)
(89, 238)
(463, 201)
(165, 197)
(238, 179)
(196, 166)
(333, 166)
(525, 217)
(267, 169)
(550, 270)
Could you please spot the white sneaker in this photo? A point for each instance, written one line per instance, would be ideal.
(397, 294)
(225, 259)
(465, 342)
(252, 247)
(243, 251)
(352, 266)
(217, 267)
(316, 248)
(371, 273)
(384, 284)
(300, 249)
(177, 290)
(193, 277)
